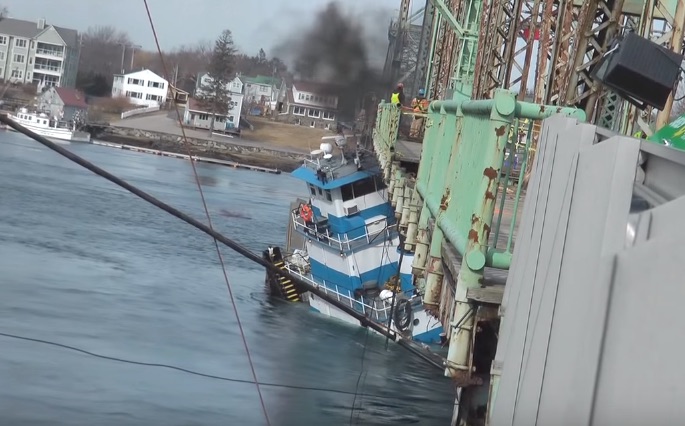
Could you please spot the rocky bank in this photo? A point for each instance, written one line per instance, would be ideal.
(230, 150)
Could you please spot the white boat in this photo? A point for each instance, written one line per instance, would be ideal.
(40, 123)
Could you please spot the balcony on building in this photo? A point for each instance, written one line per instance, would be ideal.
(48, 50)
(47, 66)
(46, 79)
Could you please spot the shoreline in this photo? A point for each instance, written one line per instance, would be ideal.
(237, 153)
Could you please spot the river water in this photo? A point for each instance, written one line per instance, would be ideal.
(86, 264)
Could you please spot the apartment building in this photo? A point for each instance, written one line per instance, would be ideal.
(38, 53)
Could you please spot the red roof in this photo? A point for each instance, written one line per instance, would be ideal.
(71, 97)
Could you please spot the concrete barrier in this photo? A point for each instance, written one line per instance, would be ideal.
(138, 111)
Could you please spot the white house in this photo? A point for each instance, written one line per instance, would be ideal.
(312, 104)
(141, 87)
(263, 92)
(198, 117)
(235, 91)
(234, 86)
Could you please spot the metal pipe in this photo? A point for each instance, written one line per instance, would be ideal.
(522, 109)
(123, 55)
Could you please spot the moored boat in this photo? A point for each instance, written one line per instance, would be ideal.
(41, 124)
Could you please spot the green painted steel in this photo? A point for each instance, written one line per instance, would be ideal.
(458, 185)
(457, 189)
(672, 134)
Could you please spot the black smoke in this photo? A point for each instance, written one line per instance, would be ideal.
(340, 50)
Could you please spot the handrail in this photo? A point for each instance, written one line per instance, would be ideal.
(345, 244)
(46, 67)
(316, 166)
(349, 298)
(50, 52)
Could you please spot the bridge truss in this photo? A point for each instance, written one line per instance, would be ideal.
(543, 49)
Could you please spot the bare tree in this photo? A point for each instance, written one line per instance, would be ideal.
(183, 64)
(260, 64)
(103, 51)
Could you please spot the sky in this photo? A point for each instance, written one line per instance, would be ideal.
(255, 24)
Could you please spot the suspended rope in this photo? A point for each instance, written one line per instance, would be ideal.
(197, 373)
(209, 219)
(363, 320)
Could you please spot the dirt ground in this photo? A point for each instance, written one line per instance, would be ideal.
(283, 135)
(283, 164)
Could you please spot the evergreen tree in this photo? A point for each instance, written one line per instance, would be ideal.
(215, 97)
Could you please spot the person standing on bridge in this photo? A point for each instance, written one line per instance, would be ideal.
(420, 106)
(397, 96)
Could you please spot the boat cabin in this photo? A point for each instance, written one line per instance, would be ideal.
(347, 196)
(40, 120)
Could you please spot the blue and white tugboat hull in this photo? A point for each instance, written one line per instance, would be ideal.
(350, 248)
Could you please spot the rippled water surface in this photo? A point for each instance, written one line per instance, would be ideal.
(84, 263)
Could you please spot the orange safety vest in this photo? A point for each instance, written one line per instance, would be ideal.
(306, 213)
(420, 105)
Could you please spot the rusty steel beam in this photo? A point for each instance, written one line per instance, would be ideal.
(564, 33)
(598, 24)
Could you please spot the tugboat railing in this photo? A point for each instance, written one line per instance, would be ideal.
(344, 295)
(345, 244)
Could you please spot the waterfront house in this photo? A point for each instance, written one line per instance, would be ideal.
(197, 116)
(38, 53)
(144, 88)
(310, 104)
(263, 93)
(235, 92)
(64, 103)
(234, 86)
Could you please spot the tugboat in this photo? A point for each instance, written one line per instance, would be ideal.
(40, 123)
(344, 241)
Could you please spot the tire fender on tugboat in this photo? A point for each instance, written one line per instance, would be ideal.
(403, 314)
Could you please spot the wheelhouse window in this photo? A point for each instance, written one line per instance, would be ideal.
(328, 195)
(380, 184)
(312, 189)
(364, 187)
(347, 193)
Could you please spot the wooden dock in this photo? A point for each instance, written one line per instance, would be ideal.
(209, 160)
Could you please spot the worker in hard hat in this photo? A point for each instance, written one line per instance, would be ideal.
(397, 96)
(419, 105)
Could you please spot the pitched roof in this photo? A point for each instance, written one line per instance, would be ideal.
(71, 97)
(28, 29)
(145, 73)
(262, 79)
(316, 87)
(19, 28)
(69, 36)
(195, 105)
